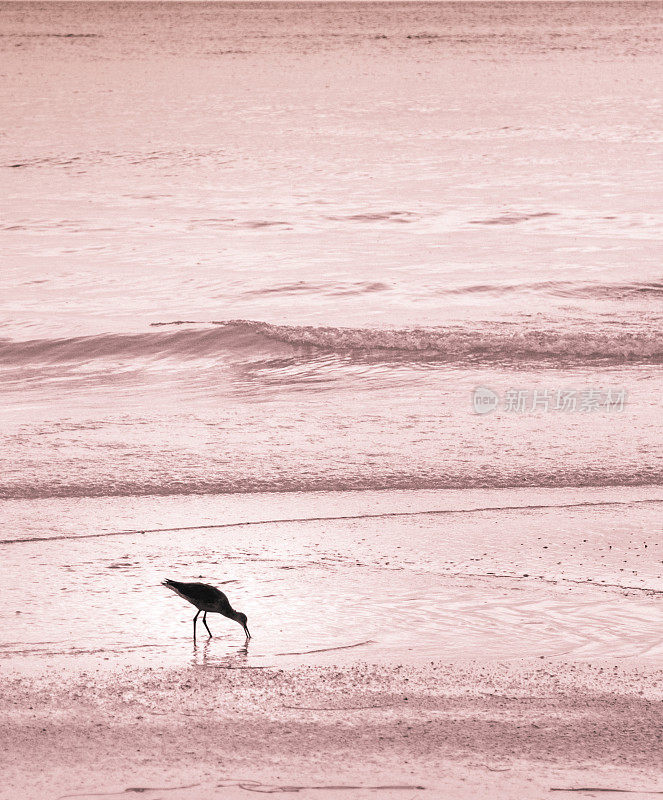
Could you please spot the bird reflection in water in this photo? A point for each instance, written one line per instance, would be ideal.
(204, 656)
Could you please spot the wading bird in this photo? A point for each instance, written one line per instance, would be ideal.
(207, 598)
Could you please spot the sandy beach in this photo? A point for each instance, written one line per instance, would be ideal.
(407, 653)
(520, 729)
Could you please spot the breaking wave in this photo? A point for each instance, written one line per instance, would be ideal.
(242, 340)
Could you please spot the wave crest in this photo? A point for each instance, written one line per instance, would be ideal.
(245, 340)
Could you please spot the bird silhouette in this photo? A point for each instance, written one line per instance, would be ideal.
(207, 598)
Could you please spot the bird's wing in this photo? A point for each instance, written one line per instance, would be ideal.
(200, 593)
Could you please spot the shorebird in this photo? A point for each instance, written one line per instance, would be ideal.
(207, 598)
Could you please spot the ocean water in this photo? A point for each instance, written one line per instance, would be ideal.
(272, 256)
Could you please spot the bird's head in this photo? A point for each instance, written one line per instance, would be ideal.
(241, 618)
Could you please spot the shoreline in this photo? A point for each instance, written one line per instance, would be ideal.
(481, 729)
(440, 578)
(398, 657)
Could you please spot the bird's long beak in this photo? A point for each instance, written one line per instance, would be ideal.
(246, 631)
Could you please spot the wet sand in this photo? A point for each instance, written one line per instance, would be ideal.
(456, 730)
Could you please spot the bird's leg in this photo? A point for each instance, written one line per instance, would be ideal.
(205, 624)
(194, 625)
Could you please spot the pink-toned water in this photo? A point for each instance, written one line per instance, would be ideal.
(277, 248)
